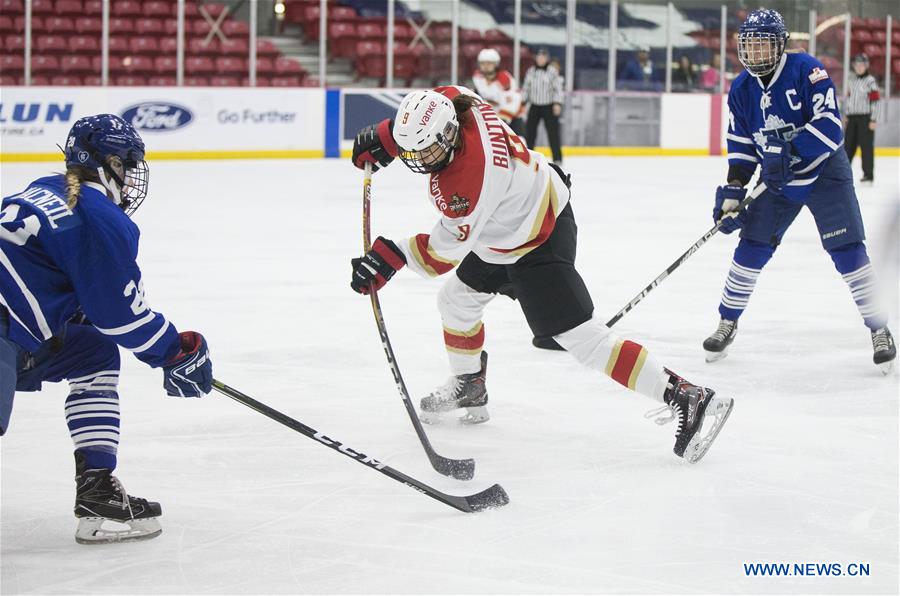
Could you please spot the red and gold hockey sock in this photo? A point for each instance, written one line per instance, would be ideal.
(464, 348)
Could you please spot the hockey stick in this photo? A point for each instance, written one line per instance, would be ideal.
(461, 469)
(494, 496)
(684, 257)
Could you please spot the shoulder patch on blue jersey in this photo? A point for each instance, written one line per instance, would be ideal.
(817, 74)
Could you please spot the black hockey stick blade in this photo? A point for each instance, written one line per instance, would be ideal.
(460, 469)
(492, 497)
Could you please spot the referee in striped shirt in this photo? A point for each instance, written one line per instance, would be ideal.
(543, 91)
(861, 111)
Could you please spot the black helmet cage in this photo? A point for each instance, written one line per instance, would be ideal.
(429, 159)
(752, 46)
(133, 187)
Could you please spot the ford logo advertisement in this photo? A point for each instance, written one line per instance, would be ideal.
(157, 116)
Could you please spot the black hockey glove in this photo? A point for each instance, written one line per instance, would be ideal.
(377, 266)
(375, 144)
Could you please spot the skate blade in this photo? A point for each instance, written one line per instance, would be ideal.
(715, 356)
(474, 415)
(720, 410)
(887, 367)
(91, 531)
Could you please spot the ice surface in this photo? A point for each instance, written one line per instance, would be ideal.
(255, 255)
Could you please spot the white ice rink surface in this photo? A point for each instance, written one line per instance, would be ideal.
(255, 255)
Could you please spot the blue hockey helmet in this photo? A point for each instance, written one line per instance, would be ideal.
(112, 147)
(761, 41)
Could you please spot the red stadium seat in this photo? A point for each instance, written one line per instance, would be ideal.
(144, 45)
(196, 82)
(341, 14)
(165, 65)
(287, 66)
(170, 26)
(159, 9)
(861, 35)
(39, 80)
(266, 48)
(470, 36)
(198, 47)
(874, 50)
(75, 64)
(69, 8)
(92, 80)
(131, 81)
(139, 65)
(44, 64)
(403, 32)
(93, 7)
(41, 7)
(341, 39)
(37, 24)
(66, 81)
(213, 9)
(162, 81)
(126, 8)
(88, 25)
(235, 47)
(440, 32)
(371, 30)
(168, 45)
(12, 7)
(199, 29)
(260, 81)
(199, 65)
(59, 25)
(12, 64)
(265, 66)
(118, 45)
(8, 80)
(7, 24)
(235, 28)
(223, 81)
(287, 81)
(879, 36)
(148, 26)
(121, 25)
(370, 59)
(51, 44)
(14, 43)
(876, 23)
(494, 37)
(228, 65)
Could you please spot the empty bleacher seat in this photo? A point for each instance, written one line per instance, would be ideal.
(42, 7)
(121, 25)
(228, 65)
(162, 81)
(131, 81)
(66, 81)
(84, 44)
(224, 81)
(12, 64)
(144, 45)
(235, 28)
(235, 47)
(76, 64)
(69, 8)
(148, 26)
(44, 64)
(159, 9)
(199, 65)
(165, 65)
(14, 43)
(199, 47)
(196, 81)
(12, 7)
(126, 8)
(88, 25)
(266, 48)
(51, 44)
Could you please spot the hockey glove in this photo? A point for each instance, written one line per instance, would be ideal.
(189, 372)
(776, 164)
(727, 209)
(375, 144)
(377, 266)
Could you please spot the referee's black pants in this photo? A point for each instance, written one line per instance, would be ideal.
(858, 134)
(551, 122)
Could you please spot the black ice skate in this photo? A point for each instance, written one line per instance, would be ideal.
(884, 350)
(716, 345)
(690, 405)
(461, 391)
(100, 498)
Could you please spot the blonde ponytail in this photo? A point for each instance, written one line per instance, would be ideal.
(73, 187)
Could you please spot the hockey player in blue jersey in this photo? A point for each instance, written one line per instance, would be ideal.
(70, 294)
(784, 119)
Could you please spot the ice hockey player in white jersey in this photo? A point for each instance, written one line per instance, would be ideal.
(506, 220)
(784, 119)
(499, 88)
(71, 293)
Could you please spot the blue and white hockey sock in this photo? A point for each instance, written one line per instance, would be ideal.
(853, 264)
(92, 415)
(749, 259)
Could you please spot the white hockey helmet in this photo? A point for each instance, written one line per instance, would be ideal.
(489, 55)
(426, 130)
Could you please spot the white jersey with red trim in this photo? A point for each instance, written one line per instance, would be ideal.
(502, 92)
(497, 198)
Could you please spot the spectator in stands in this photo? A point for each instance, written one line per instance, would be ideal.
(683, 77)
(638, 72)
(499, 88)
(709, 77)
(861, 111)
(543, 91)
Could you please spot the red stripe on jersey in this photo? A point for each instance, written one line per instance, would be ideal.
(504, 78)
(440, 267)
(456, 189)
(628, 356)
(547, 226)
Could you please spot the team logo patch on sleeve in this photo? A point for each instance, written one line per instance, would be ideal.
(458, 204)
(818, 74)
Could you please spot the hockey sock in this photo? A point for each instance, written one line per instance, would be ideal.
(92, 415)
(853, 264)
(594, 345)
(461, 310)
(749, 259)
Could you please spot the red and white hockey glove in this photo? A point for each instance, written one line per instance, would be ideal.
(375, 144)
(377, 266)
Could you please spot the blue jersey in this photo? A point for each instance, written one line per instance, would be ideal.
(56, 261)
(798, 105)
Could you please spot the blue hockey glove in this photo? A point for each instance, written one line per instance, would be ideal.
(377, 266)
(776, 164)
(189, 372)
(727, 208)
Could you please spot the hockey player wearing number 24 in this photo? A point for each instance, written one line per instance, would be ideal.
(70, 294)
(784, 118)
(506, 214)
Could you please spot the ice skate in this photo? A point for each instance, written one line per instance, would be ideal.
(690, 405)
(461, 391)
(716, 345)
(884, 351)
(106, 513)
